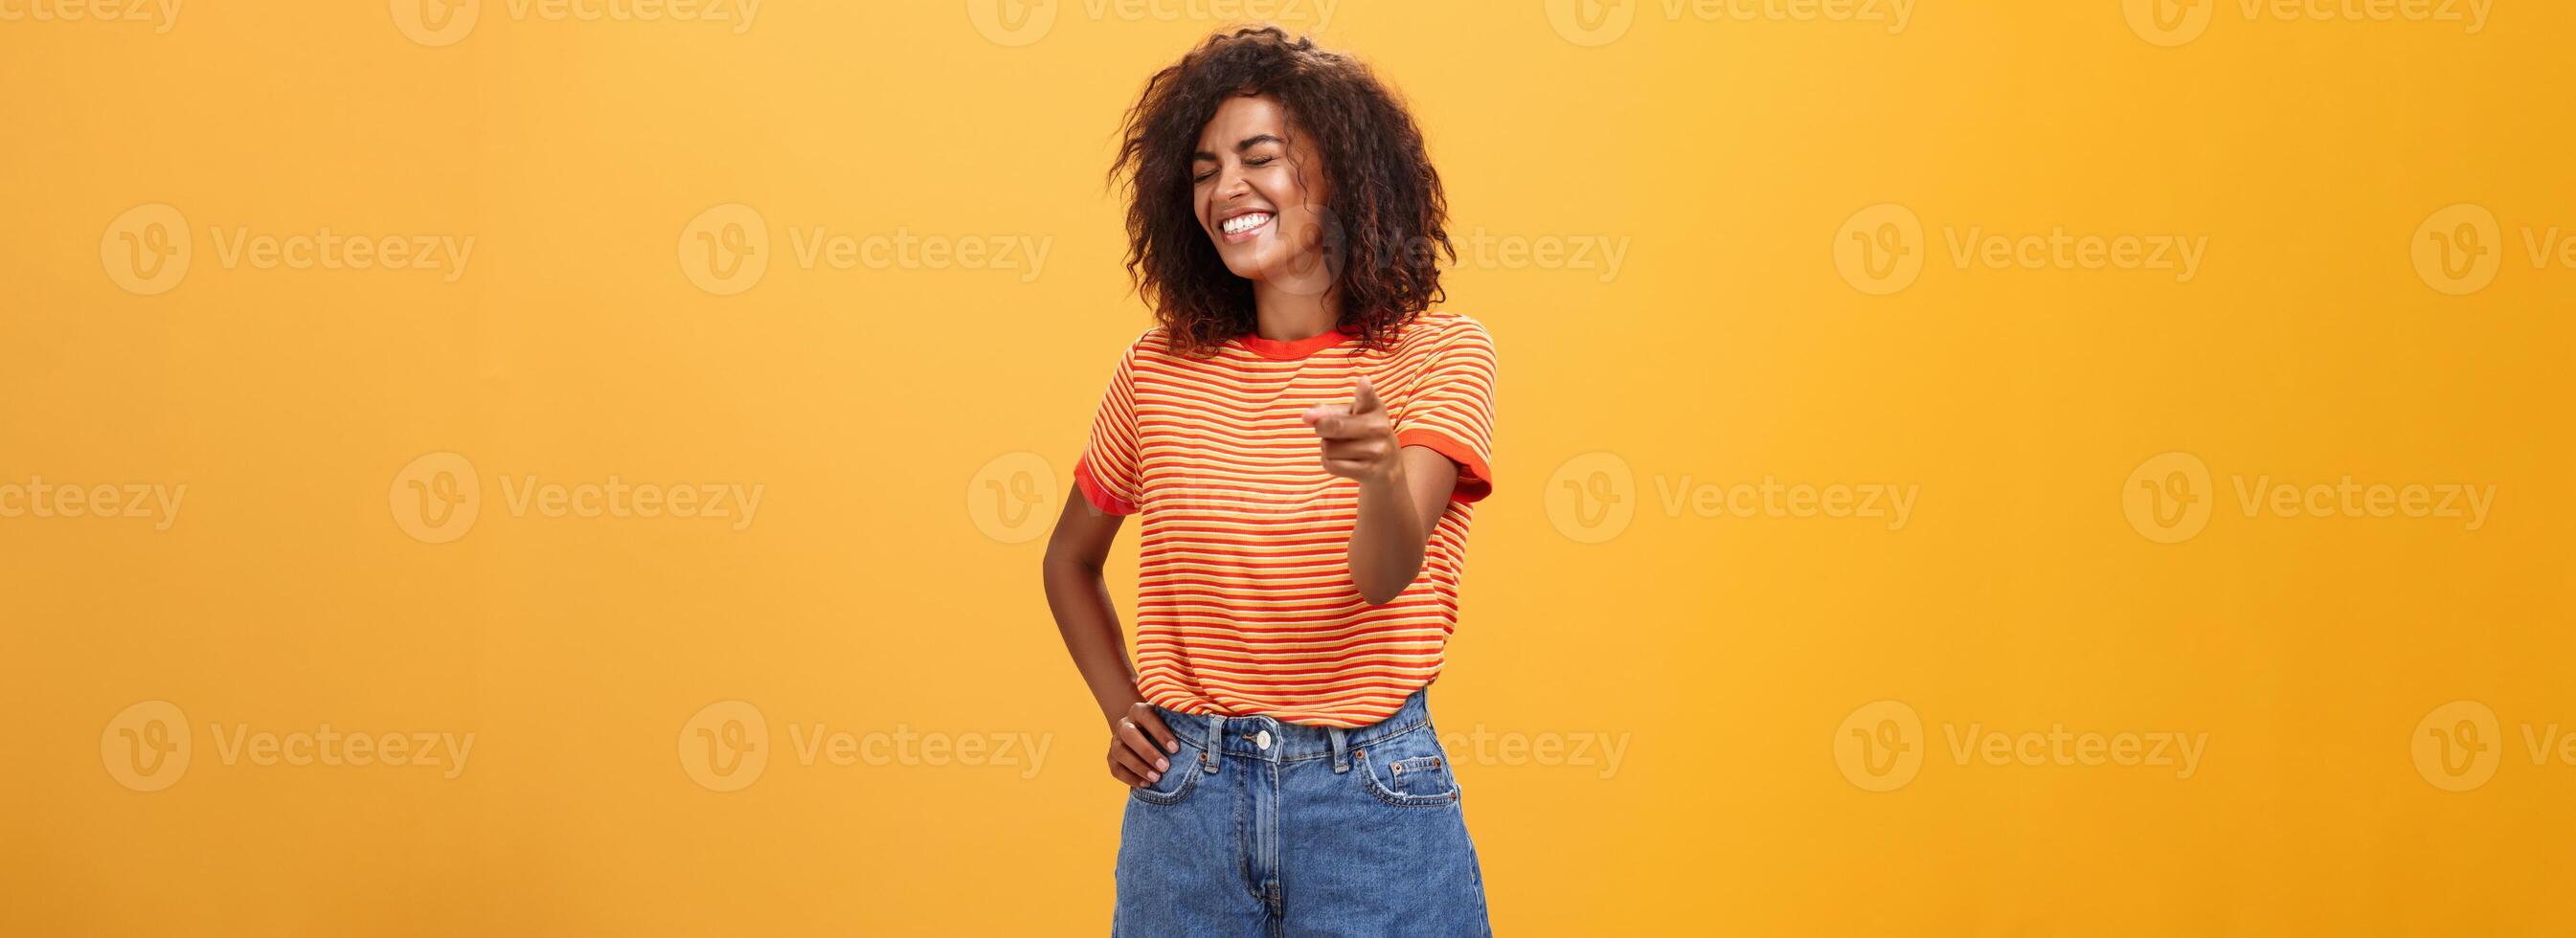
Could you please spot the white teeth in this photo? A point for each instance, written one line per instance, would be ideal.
(1243, 223)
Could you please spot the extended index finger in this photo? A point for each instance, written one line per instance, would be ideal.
(1364, 398)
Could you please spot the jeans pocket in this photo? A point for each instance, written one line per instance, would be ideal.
(1177, 781)
(1408, 770)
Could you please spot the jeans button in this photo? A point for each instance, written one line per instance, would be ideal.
(1264, 740)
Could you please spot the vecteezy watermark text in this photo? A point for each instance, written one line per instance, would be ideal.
(446, 22)
(1022, 22)
(36, 498)
(1880, 746)
(148, 747)
(1482, 746)
(1601, 22)
(148, 250)
(725, 250)
(2458, 746)
(1881, 250)
(162, 14)
(2460, 249)
(2169, 498)
(2176, 22)
(438, 497)
(1592, 498)
(726, 746)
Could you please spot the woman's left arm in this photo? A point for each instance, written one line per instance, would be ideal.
(1403, 490)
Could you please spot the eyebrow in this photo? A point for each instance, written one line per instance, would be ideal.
(1248, 143)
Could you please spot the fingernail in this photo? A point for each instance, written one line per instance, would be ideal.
(1169, 746)
(1153, 776)
(1162, 763)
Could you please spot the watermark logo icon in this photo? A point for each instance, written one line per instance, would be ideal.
(436, 498)
(725, 746)
(436, 23)
(725, 249)
(2458, 745)
(1592, 22)
(2457, 250)
(1008, 497)
(2169, 23)
(146, 747)
(1879, 747)
(146, 249)
(1879, 249)
(1012, 22)
(2168, 497)
(1592, 497)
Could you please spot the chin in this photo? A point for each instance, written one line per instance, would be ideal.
(1246, 265)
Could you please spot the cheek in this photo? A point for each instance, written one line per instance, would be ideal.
(1287, 190)
(1305, 227)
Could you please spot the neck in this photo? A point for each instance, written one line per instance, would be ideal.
(1288, 316)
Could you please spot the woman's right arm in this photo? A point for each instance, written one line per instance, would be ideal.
(1079, 597)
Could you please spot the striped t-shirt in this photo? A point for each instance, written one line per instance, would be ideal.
(1245, 603)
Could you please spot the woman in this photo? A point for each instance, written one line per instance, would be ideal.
(1305, 439)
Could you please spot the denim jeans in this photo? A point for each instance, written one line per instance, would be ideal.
(1269, 828)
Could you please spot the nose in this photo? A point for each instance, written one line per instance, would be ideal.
(1230, 183)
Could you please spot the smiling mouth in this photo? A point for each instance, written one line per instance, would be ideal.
(1244, 226)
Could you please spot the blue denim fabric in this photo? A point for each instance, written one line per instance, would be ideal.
(1269, 828)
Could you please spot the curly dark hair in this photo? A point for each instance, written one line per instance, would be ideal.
(1386, 213)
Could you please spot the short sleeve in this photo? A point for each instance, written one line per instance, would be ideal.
(1451, 409)
(1107, 473)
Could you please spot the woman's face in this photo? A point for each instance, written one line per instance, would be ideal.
(1260, 195)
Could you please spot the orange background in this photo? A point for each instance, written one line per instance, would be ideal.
(911, 425)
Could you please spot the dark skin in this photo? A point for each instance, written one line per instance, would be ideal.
(1250, 163)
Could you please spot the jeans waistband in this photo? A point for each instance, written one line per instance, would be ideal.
(1271, 740)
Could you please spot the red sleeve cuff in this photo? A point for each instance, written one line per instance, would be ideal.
(1100, 497)
(1475, 480)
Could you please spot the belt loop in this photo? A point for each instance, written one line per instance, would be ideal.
(1214, 752)
(1341, 749)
